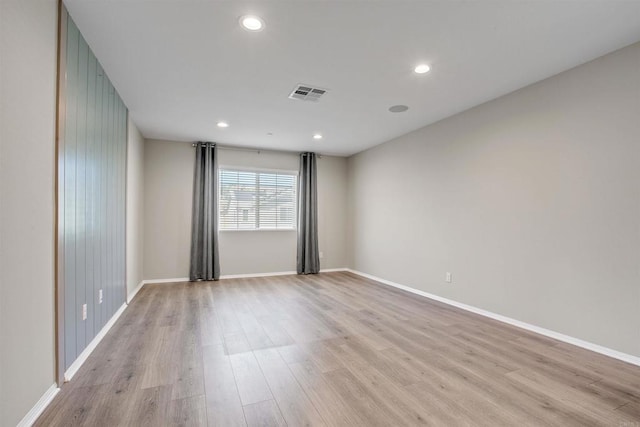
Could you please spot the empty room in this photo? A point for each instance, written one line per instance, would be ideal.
(316, 212)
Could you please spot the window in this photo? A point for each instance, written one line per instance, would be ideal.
(257, 200)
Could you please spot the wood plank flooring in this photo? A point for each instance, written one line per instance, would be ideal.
(333, 349)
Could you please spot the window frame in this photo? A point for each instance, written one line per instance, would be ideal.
(257, 170)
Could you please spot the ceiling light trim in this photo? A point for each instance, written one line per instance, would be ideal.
(251, 23)
(422, 69)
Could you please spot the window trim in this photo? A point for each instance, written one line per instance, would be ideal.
(250, 169)
(257, 170)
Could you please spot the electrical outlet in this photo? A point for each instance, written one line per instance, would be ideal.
(321, 254)
(84, 311)
(100, 296)
(448, 277)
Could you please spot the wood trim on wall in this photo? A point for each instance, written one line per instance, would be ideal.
(59, 196)
(126, 205)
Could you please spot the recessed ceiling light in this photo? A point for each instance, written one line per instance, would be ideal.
(251, 23)
(317, 136)
(223, 124)
(422, 68)
(398, 108)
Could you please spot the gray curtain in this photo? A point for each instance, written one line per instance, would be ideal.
(308, 261)
(204, 224)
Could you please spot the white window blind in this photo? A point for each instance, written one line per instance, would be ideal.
(257, 200)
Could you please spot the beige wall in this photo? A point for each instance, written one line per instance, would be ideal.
(532, 201)
(168, 172)
(135, 207)
(332, 212)
(27, 126)
(168, 184)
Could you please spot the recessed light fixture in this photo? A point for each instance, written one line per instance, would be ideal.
(398, 108)
(317, 136)
(251, 23)
(421, 69)
(223, 124)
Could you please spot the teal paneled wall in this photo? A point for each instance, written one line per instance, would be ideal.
(92, 164)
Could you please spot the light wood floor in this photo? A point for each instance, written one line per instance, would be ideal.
(333, 349)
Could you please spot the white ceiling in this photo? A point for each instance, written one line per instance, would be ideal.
(181, 66)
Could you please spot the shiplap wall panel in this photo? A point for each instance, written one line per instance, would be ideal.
(93, 150)
(91, 293)
(81, 195)
(68, 156)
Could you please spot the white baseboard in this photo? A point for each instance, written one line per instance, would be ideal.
(174, 280)
(92, 345)
(278, 273)
(635, 360)
(135, 292)
(242, 276)
(39, 407)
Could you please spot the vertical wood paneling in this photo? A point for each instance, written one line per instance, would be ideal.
(119, 216)
(94, 157)
(69, 157)
(102, 231)
(110, 200)
(102, 199)
(92, 294)
(81, 194)
(122, 214)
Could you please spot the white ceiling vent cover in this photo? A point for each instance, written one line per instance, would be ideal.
(307, 93)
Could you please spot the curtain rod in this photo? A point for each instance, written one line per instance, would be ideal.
(255, 150)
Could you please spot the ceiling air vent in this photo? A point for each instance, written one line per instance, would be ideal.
(307, 93)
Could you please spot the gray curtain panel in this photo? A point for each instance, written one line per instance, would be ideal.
(308, 261)
(205, 264)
